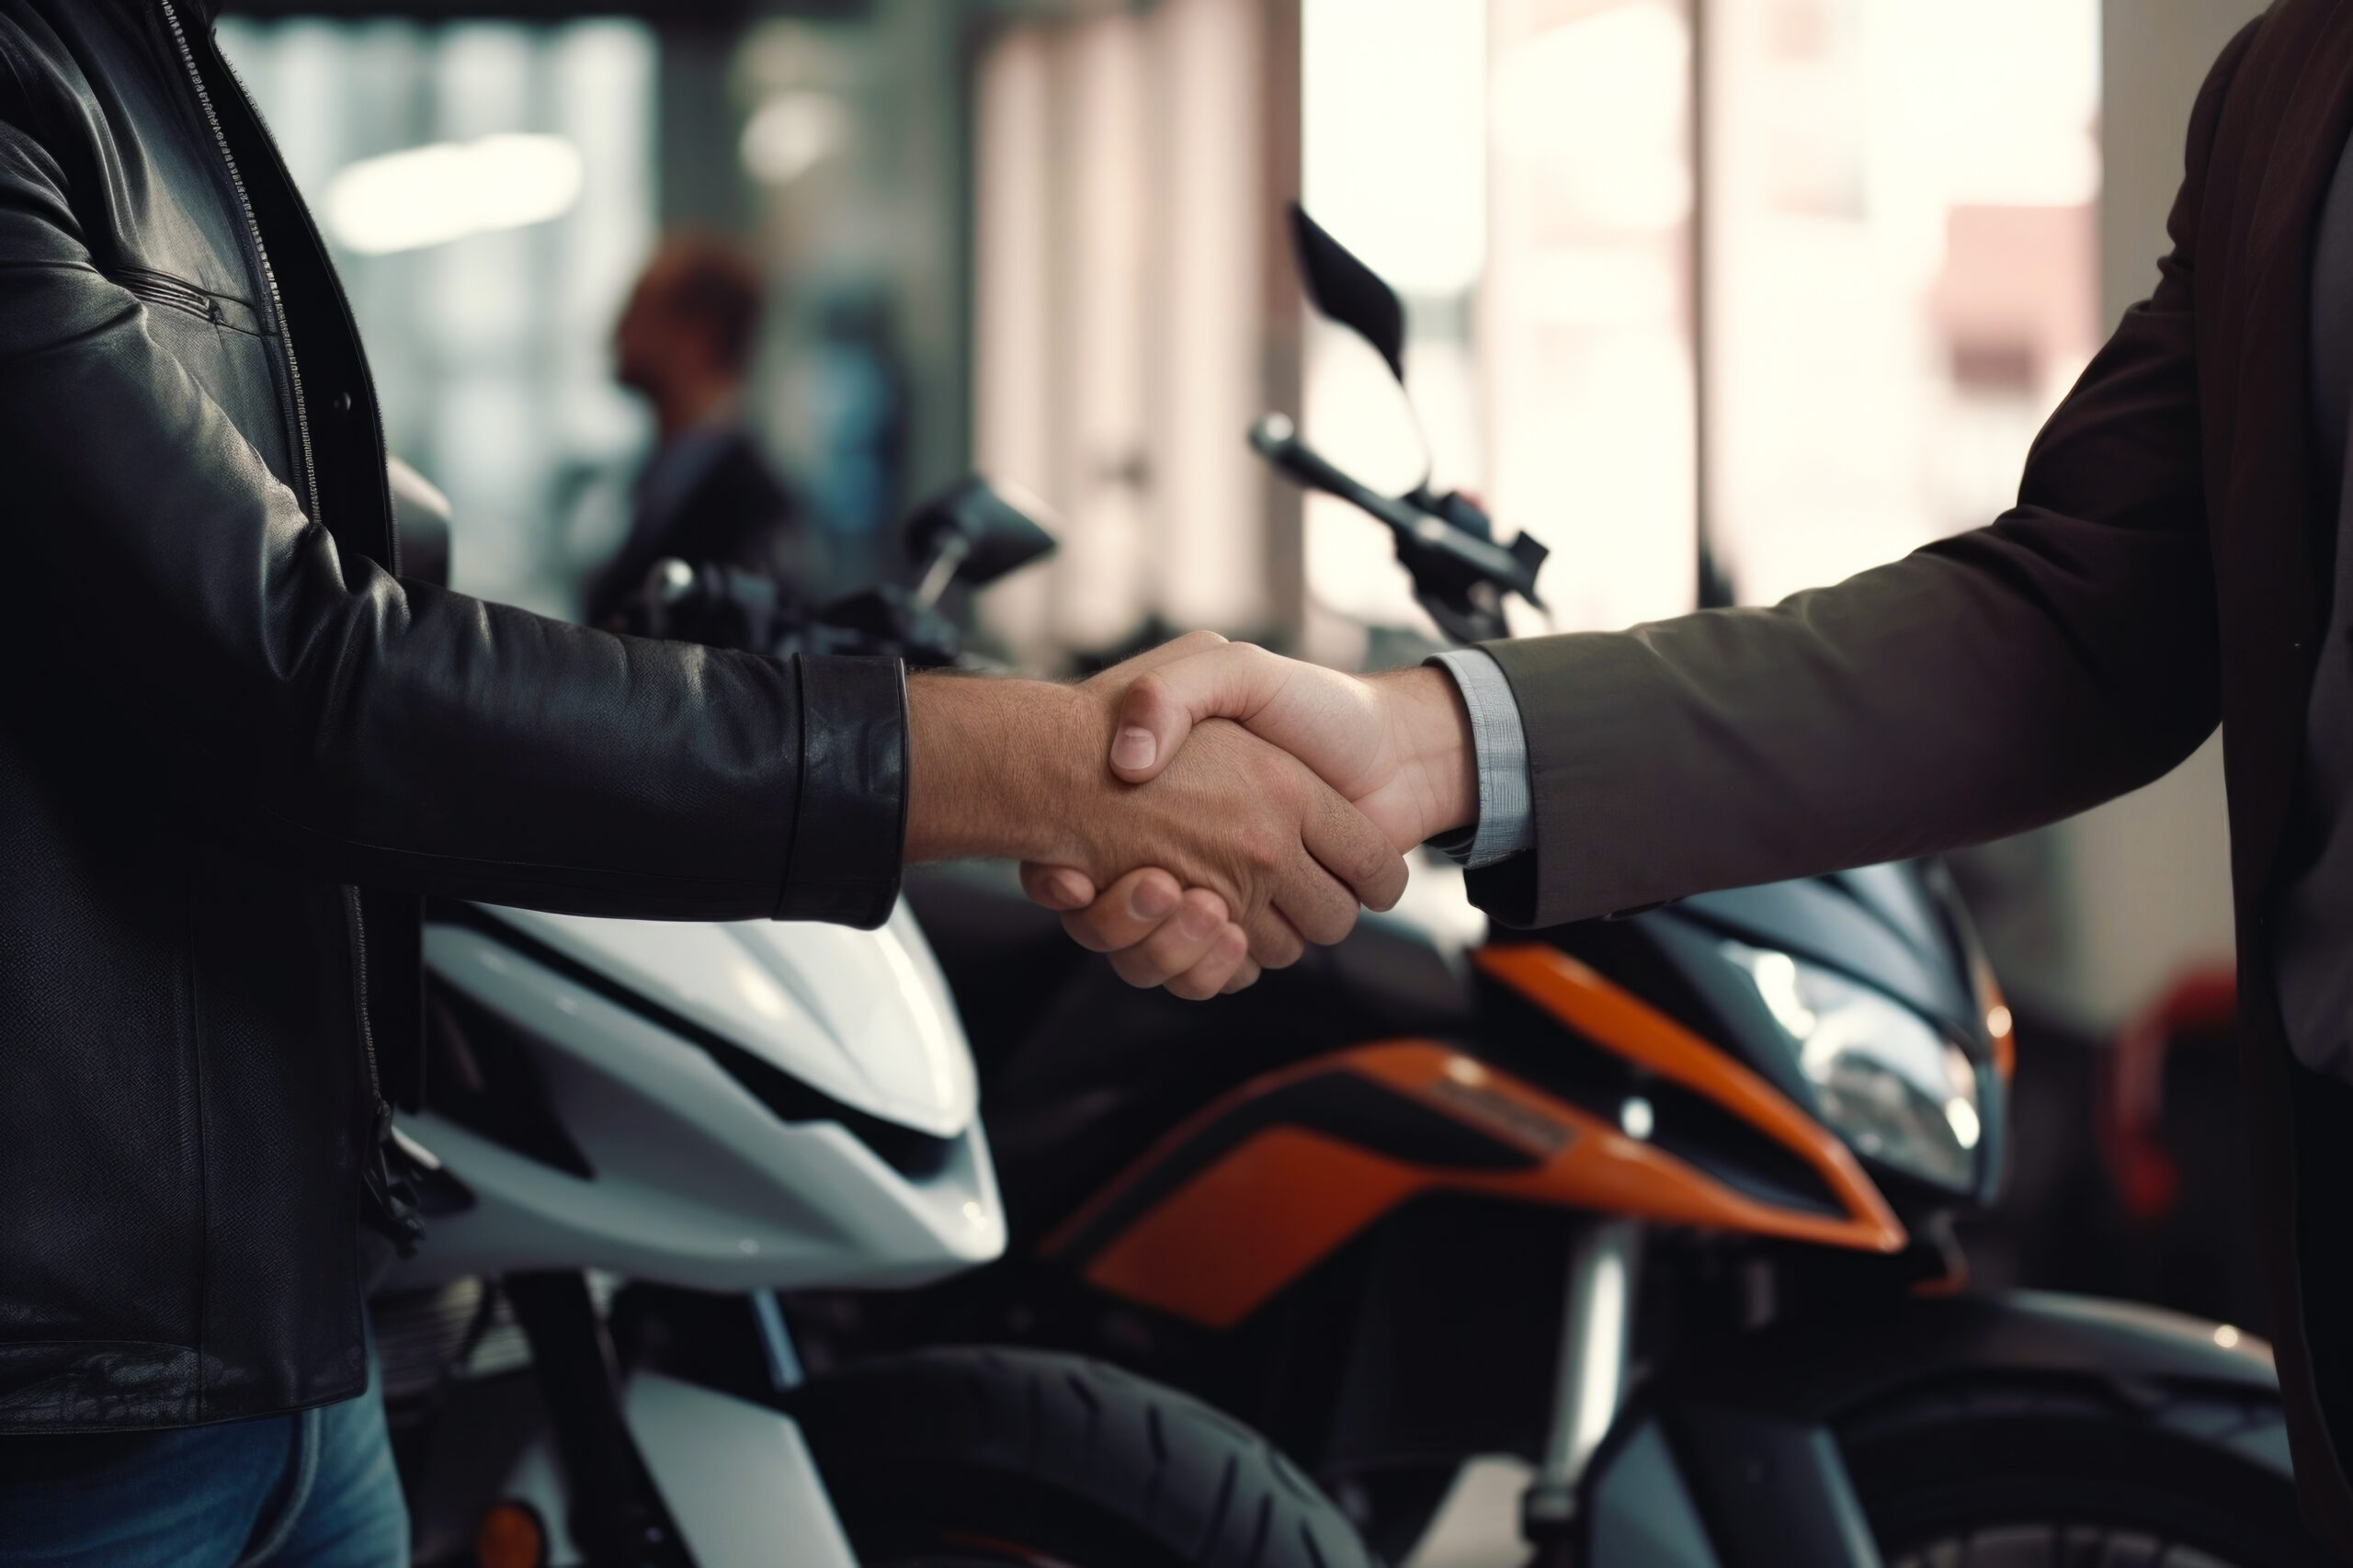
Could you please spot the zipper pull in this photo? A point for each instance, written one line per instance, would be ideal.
(387, 1178)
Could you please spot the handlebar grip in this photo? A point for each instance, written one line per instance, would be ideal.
(1275, 440)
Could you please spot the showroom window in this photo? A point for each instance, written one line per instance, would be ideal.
(487, 190)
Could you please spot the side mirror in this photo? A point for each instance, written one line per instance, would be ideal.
(1346, 290)
(973, 533)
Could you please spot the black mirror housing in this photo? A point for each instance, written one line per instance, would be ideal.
(1346, 290)
(998, 536)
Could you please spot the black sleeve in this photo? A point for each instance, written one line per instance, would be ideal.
(380, 730)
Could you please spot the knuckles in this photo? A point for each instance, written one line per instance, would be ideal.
(1145, 699)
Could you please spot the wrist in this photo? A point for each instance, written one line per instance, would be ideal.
(1430, 728)
(996, 767)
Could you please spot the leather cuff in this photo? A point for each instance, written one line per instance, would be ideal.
(849, 836)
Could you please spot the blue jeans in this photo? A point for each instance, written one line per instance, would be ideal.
(311, 1490)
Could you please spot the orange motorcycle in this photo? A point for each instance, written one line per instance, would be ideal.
(1651, 1216)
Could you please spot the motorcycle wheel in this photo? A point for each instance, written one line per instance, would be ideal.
(2045, 1478)
(963, 1456)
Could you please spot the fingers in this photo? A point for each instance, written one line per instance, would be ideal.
(1340, 860)
(1223, 680)
(1221, 973)
(1158, 935)
(1347, 845)
(1313, 904)
(1155, 933)
(1275, 940)
(1192, 953)
(1128, 911)
(1056, 887)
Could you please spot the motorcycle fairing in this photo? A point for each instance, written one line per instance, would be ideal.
(863, 1015)
(1897, 929)
(1817, 918)
(1250, 1195)
(686, 1174)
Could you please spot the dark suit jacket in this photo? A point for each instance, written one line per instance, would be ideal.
(736, 513)
(2167, 566)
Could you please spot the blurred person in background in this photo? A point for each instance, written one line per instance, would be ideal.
(708, 495)
(857, 398)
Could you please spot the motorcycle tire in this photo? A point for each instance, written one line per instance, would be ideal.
(972, 1456)
(2053, 1477)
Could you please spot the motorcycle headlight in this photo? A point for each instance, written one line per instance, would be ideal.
(1883, 1078)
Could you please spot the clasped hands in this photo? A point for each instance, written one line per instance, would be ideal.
(1199, 813)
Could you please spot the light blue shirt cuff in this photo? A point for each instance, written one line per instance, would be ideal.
(1506, 824)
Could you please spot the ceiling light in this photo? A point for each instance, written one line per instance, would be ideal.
(431, 195)
(791, 133)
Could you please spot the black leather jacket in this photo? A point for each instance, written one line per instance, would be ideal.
(236, 750)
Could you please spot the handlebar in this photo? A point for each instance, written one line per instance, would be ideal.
(1274, 438)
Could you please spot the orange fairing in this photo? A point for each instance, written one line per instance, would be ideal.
(1210, 1239)
(1601, 1011)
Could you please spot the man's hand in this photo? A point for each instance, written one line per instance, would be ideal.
(1018, 768)
(1398, 746)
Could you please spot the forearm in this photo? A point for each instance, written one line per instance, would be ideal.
(471, 750)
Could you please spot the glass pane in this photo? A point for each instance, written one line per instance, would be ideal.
(1587, 334)
(1901, 269)
(487, 326)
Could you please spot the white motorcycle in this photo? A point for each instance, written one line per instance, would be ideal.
(636, 1133)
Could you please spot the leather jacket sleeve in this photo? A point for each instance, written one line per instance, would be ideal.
(376, 730)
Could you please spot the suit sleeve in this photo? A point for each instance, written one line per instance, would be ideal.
(203, 629)
(1985, 685)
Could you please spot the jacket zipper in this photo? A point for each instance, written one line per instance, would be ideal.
(359, 925)
(390, 557)
(261, 253)
(379, 1182)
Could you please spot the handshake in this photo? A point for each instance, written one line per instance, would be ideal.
(1200, 811)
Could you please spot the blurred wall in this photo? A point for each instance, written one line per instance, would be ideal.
(1132, 312)
(2146, 878)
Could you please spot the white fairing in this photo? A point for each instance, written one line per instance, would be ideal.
(863, 1015)
(695, 1181)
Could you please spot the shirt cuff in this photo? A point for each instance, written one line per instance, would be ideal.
(1506, 824)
